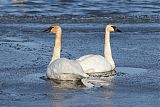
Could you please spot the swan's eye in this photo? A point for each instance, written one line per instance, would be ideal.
(114, 28)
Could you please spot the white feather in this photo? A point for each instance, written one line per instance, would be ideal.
(94, 64)
(65, 69)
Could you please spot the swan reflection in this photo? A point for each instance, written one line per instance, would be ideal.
(84, 83)
(62, 91)
(66, 84)
(75, 93)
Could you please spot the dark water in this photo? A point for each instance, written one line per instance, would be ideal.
(25, 52)
(79, 7)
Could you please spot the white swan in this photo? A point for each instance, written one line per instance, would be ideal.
(96, 65)
(62, 68)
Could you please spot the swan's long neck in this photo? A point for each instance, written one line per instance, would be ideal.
(57, 45)
(107, 49)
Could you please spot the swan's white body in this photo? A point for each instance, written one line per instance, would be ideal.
(65, 69)
(97, 64)
(94, 64)
(62, 68)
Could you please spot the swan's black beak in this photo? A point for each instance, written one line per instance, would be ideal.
(117, 30)
(48, 30)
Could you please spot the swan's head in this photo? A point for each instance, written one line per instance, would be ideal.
(54, 29)
(112, 28)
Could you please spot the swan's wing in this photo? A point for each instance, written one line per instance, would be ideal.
(94, 64)
(65, 68)
(84, 57)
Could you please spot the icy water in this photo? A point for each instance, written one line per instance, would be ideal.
(79, 7)
(25, 52)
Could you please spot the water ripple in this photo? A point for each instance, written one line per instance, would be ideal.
(78, 7)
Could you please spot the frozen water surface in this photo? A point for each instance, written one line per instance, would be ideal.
(26, 51)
